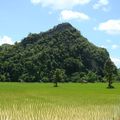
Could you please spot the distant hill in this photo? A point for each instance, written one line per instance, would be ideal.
(37, 56)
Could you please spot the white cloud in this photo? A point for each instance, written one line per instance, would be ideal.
(109, 41)
(95, 28)
(5, 39)
(106, 9)
(102, 46)
(111, 27)
(50, 12)
(116, 61)
(101, 4)
(60, 4)
(70, 15)
(115, 46)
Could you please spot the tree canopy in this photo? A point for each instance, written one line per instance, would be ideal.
(110, 71)
(37, 56)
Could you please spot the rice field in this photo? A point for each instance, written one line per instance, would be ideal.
(69, 101)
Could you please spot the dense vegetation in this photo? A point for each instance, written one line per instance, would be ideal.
(38, 56)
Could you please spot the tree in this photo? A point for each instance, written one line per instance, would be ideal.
(59, 75)
(110, 71)
(37, 56)
(2, 78)
(73, 65)
(118, 77)
(91, 77)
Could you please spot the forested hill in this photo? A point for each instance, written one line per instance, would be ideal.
(37, 56)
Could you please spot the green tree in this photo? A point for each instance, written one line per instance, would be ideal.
(92, 77)
(59, 75)
(2, 78)
(73, 65)
(37, 56)
(110, 70)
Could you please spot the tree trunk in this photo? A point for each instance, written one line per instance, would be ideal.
(56, 85)
(110, 82)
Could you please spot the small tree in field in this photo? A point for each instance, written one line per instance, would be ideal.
(110, 70)
(58, 76)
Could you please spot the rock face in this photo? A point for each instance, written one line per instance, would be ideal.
(37, 56)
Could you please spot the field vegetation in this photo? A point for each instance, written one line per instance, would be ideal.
(69, 101)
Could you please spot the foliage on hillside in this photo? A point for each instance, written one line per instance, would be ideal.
(37, 56)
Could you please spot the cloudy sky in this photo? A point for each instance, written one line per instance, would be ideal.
(98, 20)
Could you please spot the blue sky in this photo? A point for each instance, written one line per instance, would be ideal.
(98, 20)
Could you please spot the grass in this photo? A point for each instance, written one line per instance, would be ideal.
(69, 101)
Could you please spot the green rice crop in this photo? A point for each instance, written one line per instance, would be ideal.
(69, 101)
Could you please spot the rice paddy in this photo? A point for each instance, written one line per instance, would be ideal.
(69, 101)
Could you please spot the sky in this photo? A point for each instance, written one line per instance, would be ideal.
(97, 20)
